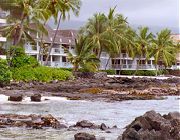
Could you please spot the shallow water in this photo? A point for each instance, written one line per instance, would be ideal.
(117, 113)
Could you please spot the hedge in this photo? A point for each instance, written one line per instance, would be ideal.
(41, 74)
(5, 73)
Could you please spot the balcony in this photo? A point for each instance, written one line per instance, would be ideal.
(60, 51)
(3, 39)
(132, 67)
(2, 21)
(57, 51)
(58, 64)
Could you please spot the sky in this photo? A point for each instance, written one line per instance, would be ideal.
(153, 13)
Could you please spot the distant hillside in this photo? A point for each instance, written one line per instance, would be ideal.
(77, 24)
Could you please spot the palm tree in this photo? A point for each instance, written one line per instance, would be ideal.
(108, 33)
(163, 49)
(22, 13)
(95, 29)
(28, 12)
(84, 57)
(143, 43)
(62, 8)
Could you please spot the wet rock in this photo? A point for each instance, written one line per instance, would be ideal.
(89, 75)
(152, 126)
(85, 124)
(36, 98)
(100, 75)
(103, 127)
(30, 121)
(15, 98)
(84, 136)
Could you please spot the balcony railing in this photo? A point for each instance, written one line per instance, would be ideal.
(132, 67)
(58, 64)
(3, 39)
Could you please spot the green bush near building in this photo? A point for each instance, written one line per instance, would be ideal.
(20, 59)
(109, 72)
(5, 73)
(41, 74)
(142, 72)
(26, 68)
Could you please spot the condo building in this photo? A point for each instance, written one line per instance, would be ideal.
(66, 39)
(58, 57)
(2, 23)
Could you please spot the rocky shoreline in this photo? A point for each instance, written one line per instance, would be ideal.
(150, 126)
(103, 88)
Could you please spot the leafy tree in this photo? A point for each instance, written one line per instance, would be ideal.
(109, 33)
(163, 49)
(84, 57)
(5, 73)
(20, 59)
(61, 8)
(143, 42)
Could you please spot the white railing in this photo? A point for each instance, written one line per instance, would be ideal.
(57, 51)
(2, 21)
(3, 39)
(132, 67)
(58, 64)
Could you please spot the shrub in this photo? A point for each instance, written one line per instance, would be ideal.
(20, 59)
(68, 69)
(41, 74)
(127, 72)
(109, 72)
(5, 73)
(142, 72)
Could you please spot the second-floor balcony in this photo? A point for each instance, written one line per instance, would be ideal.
(60, 51)
(3, 39)
(57, 51)
(2, 21)
(58, 64)
(133, 67)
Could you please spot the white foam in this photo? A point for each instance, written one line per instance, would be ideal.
(4, 99)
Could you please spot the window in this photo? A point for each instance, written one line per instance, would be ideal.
(55, 58)
(56, 50)
(64, 59)
(124, 61)
(129, 61)
(44, 58)
(149, 62)
(33, 46)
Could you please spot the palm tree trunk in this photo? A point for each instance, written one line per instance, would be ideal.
(107, 63)
(41, 44)
(137, 67)
(50, 49)
(156, 69)
(20, 30)
(17, 36)
(75, 67)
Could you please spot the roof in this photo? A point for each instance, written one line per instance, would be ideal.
(62, 37)
(175, 37)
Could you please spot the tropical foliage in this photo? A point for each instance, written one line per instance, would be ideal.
(5, 73)
(109, 33)
(163, 48)
(84, 57)
(41, 74)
